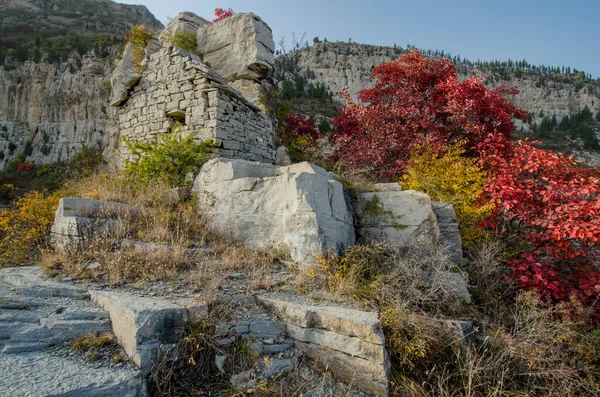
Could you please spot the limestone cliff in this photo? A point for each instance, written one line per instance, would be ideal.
(338, 65)
(54, 94)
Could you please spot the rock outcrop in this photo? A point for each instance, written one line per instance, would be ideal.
(400, 218)
(348, 342)
(239, 47)
(50, 109)
(77, 220)
(186, 21)
(338, 65)
(300, 207)
(49, 112)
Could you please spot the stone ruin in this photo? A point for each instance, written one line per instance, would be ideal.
(213, 94)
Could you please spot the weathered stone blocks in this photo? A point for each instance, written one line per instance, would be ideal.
(401, 218)
(142, 325)
(78, 219)
(349, 342)
(177, 87)
(301, 207)
(449, 232)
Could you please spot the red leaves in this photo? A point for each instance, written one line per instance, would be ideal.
(300, 127)
(555, 203)
(23, 167)
(416, 99)
(221, 14)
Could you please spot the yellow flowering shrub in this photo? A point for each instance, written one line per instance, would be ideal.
(454, 179)
(24, 228)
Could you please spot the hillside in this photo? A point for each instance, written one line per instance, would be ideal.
(547, 93)
(31, 28)
(57, 57)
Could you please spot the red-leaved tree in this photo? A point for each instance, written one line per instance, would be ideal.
(221, 14)
(556, 206)
(554, 203)
(24, 167)
(299, 135)
(416, 99)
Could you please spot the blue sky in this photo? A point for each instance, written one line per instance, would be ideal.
(552, 32)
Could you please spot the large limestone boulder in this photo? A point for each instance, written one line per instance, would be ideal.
(238, 47)
(349, 342)
(184, 22)
(301, 207)
(396, 217)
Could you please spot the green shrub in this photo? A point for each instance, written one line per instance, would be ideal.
(184, 40)
(167, 159)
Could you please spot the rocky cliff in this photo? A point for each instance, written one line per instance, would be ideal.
(338, 65)
(54, 84)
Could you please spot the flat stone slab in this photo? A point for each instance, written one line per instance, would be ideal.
(38, 374)
(142, 325)
(37, 312)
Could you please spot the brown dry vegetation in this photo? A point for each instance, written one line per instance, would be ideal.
(166, 239)
(520, 346)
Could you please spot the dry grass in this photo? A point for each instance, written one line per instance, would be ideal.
(190, 366)
(485, 267)
(92, 342)
(527, 347)
(414, 279)
(532, 354)
(167, 221)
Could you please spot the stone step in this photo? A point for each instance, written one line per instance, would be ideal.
(25, 347)
(143, 325)
(349, 342)
(65, 330)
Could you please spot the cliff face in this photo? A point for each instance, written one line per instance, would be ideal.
(50, 111)
(338, 65)
(53, 106)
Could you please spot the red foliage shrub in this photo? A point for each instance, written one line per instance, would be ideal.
(24, 28)
(8, 43)
(302, 126)
(221, 14)
(555, 204)
(416, 99)
(23, 167)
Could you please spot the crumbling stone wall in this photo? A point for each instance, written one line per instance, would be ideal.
(176, 86)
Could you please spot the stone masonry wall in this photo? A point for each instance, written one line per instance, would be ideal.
(177, 87)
